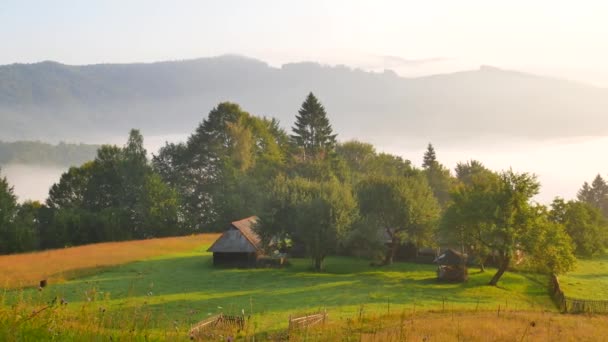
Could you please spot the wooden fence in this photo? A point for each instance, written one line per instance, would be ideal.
(574, 305)
(217, 321)
(308, 320)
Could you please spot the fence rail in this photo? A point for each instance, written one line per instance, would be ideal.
(307, 320)
(216, 321)
(574, 305)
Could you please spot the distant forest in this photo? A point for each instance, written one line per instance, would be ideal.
(39, 153)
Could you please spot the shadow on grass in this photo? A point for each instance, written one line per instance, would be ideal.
(176, 286)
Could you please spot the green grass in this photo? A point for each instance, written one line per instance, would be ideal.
(180, 289)
(588, 281)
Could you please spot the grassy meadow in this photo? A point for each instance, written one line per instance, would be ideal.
(174, 285)
(588, 281)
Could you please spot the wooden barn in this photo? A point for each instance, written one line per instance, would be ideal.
(452, 266)
(238, 246)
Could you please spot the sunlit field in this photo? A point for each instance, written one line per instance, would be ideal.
(465, 326)
(174, 285)
(26, 270)
(588, 281)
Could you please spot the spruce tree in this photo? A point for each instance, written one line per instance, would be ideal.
(312, 131)
(596, 194)
(438, 176)
(430, 159)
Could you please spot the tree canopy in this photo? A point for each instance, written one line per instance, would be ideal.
(403, 208)
(497, 212)
(312, 131)
(595, 194)
(314, 214)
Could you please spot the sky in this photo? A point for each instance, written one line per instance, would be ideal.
(566, 39)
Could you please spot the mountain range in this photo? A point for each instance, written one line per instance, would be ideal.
(51, 101)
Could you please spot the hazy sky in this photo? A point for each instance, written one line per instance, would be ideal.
(562, 38)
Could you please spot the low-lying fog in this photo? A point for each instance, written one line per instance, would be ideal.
(561, 165)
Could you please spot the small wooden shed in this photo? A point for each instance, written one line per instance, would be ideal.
(238, 246)
(452, 266)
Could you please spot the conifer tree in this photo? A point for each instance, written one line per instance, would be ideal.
(430, 159)
(595, 194)
(313, 132)
(438, 176)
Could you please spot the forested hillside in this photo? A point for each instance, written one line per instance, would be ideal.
(39, 153)
(52, 101)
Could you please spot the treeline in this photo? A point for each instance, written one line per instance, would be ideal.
(39, 153)
(116, 196)
(313, 195)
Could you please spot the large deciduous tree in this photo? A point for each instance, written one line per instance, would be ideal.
(451, 226)
(402, 207)
(315, 214)
(222, 170)
(496, 212)
(584, 223)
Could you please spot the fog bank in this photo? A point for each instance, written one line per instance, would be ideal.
(31, 182)
(561, 165)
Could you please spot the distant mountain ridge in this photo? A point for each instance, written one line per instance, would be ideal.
(53, 101)
(43, 154)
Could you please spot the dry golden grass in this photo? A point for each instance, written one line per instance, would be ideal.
(26, 270)
(463, 326)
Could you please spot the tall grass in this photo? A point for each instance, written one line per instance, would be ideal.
(459, 326)
(31, 319)
(26, 270)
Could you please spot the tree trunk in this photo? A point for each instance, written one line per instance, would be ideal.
(318, 263)
(390, 254)
(482, 268)
(501, 270)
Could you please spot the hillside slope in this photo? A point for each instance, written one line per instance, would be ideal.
(52, 101)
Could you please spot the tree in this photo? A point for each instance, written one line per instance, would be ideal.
(596, 194)
(438, 177)
(316, 214)
(584, 224)
(8, 213)
(312, 132)
(496, 211)
(466, 171)
(18, 223)
(159, 208)
(70, 190)
(222, 170)
(362, 161)
(548, 247)
(117, 196)
(26, 227)
(404, 208)
(430, 158)
(451, 226)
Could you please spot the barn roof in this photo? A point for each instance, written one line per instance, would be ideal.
(239, 238)
(451, 257)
